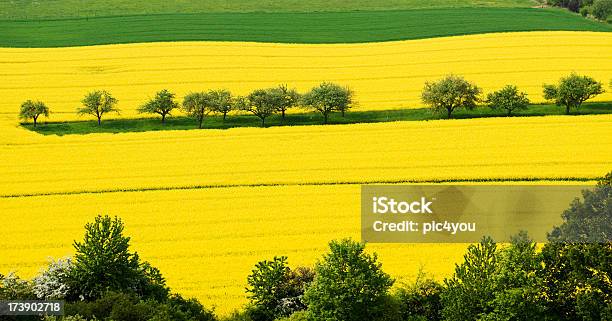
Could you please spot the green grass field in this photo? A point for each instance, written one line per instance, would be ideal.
(28, 9)
(298, 119)
(338, 27)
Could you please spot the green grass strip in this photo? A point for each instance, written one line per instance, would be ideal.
(321, 27)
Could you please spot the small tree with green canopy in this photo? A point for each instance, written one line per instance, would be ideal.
(602, 9)
(262, 103)
(286, 98)
(32, 110)
(449, 94)
(508, 99)
(327, 98)
(349, 285)
(222, 101)
(97, 103)
(163, 104)
(103, 262)
(471, 289)
(572, 91)
(198, 105)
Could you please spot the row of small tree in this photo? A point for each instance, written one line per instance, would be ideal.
(445, 96)
(454, 92)
(263, 103)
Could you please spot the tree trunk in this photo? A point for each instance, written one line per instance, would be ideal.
(99, 121)
(325, 115)
(224, 115)
(283, 114)
(163, 118)
(449, 112)
(567, 109)
(35, 121)
(263, 122)
(200, 121)
(342, 112)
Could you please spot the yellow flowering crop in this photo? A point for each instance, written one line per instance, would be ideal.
(386, 75)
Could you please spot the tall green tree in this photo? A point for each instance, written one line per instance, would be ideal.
(163, 104)
(286, 98)
(508, 98)
(449, 94)
(32, 110)
(349, 285)
(471, 289)
(262, 103)
(198, 105)
(97, 103)
(572, 91)
(103, 262)
(327, 98)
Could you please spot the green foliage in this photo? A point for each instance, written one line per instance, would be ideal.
(14, 288)
(261, 103)
(33, 109)
(162, 104)
(349, 285)
(420, 300)
(327, 98)
(97, 103)
(103, 263)
(275, 290)
(129, 307)
(286, 98)
(297, 316)
(198, 105)
(222, 101)
(508, 99)
(572, 91)
(602, 9)
(289, 27)
(578, 259)
(449, 94)
(518, 283)
(472, 287)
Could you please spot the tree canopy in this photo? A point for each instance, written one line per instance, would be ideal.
(327, 98)
(509, 99)
(449, 94)
(162, 104)
(32, 110)
(572, 91)
(97, 103)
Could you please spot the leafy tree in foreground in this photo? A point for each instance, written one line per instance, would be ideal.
(449, 94)
(103, 263)
(420, 300)
(572, 91)
(471, 289)
(275, 290)
(198, 105)
(285, 99)
(349, 285)
(327, 98)
(97, 103)
(33, 110)
(602, 9)
(162, 104)
(262, 103)
(508, 99)
(578, 258)
(53, 282)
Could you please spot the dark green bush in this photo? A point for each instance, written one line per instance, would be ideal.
(420, 300)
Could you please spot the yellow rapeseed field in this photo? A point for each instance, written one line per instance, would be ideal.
(384, 75)
(488, 148)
